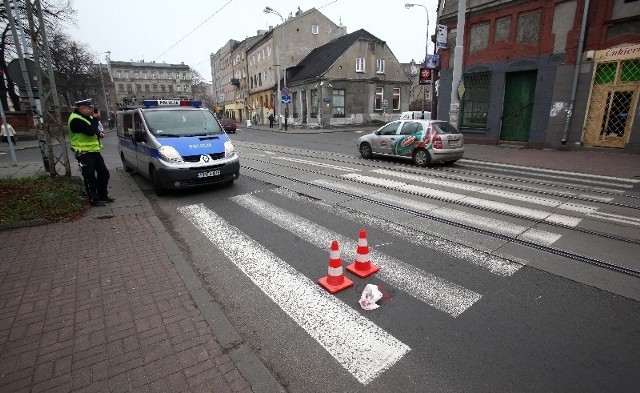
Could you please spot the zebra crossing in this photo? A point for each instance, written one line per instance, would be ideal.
(329, 320)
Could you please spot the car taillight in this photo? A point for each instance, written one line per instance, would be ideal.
(437, 142)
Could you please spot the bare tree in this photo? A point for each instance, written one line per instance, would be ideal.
(201, 90)
(55, 12)
(74, 65)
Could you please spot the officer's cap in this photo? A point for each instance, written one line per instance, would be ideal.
(87, 102)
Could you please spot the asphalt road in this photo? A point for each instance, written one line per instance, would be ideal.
(261, 245)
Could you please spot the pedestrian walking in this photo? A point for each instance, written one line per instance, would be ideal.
(85, 140)
(271, 120)
(9, 132)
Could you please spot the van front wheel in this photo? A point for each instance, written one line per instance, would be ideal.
(157, 184)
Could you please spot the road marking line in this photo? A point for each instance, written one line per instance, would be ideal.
(435, 291)
(360, 346)
(574, 177)
(469, 200)
(320, 164)
(485, 189)
(475, 220)
(494, 264)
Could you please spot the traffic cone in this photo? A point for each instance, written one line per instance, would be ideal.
(362, 267)
(335, 281)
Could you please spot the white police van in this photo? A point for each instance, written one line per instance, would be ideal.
(176, 144)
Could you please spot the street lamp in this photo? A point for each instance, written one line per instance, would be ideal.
(426, 52)
(104, 91)
(269, 10)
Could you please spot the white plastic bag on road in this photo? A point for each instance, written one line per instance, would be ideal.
(370, 296)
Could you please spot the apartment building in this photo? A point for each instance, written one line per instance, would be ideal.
(135, 81)
(252, 67)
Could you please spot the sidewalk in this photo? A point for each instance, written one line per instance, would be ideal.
(109, 303)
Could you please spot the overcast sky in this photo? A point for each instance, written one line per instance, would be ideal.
(190, 30)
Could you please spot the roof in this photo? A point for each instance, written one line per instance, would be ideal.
(320, 59)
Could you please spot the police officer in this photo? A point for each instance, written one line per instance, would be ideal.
(85, 143)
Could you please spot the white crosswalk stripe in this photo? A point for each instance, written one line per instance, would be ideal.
(435, 291)
(360, 346)
(492, 263)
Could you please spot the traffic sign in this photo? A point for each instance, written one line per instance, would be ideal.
(385, 103)
(286, 99)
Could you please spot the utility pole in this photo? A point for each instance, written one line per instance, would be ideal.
(52, 122)
(454, 109)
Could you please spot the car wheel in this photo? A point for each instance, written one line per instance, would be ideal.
(126, 166)
(365, 150)
(421, 157)
(157, 185)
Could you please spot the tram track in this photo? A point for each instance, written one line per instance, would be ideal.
(444, 173)
(507, 238)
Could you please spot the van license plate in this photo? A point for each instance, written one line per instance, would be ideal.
(209, 174)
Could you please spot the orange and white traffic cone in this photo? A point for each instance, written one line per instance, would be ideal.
(362, 267)
(335, 281)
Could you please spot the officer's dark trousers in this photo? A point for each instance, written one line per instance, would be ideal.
(95, 175)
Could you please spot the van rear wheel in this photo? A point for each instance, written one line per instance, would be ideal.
(125, 165)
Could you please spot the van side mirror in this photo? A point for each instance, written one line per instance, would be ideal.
(139, 135)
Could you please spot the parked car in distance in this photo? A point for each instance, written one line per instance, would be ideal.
(228, 124)
(424, 141)
(415, 115)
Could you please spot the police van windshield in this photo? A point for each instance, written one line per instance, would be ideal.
(177, 123)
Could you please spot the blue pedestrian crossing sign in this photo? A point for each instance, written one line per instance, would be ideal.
(286, 99)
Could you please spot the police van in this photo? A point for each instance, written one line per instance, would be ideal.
(176, 144)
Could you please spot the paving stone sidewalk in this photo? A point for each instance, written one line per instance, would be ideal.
(109, 303)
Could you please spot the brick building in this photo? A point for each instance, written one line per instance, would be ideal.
(545, 73)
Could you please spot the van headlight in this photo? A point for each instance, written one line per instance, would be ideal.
(229, 150)
(169, 153)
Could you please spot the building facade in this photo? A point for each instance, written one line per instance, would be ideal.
(353, 79)
(545, 73)
(256, 64)
(135, 81)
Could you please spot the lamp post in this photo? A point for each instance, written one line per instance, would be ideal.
(104, 91)
(269, 10)
(426, 52)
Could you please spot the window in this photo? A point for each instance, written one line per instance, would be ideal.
(528, 28)
(315, 29)
(338, 103)
(314, 103)
(475, 102)
(294, 103)
(379, 66)
(146, 88)
(360, 64)
(120, 87)
(503, 29)
(410, 128)
(377, 103)
(396, 99)
(390, 129)
(479, 37)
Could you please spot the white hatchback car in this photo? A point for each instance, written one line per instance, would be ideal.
(424, 141)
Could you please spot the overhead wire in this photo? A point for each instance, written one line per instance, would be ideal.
(194, 29)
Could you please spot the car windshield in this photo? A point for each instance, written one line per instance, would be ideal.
(182, 122)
